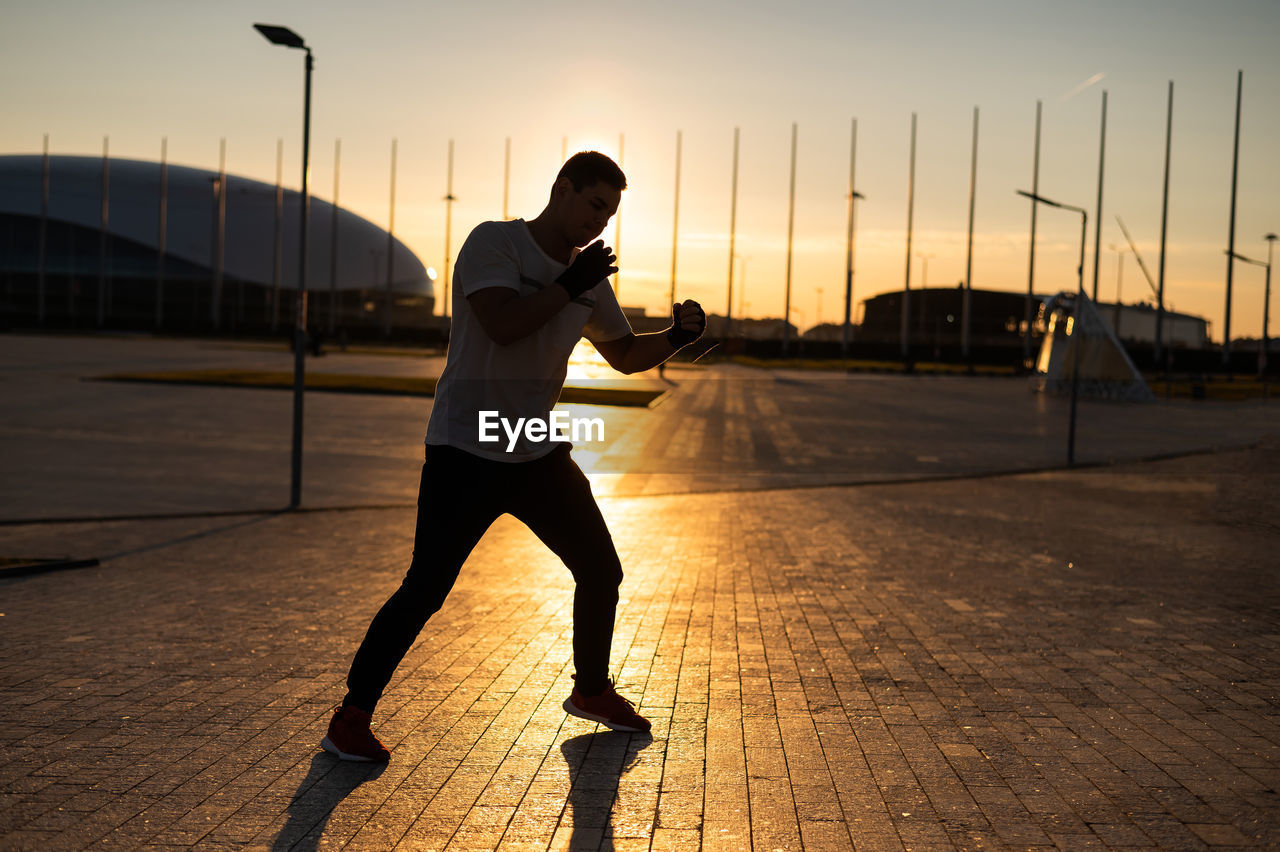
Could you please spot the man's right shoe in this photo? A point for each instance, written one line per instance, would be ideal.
(609, 709)
(350, 738)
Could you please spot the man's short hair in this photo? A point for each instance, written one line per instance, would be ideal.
(587, 168)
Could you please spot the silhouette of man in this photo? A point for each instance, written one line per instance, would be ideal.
(525, 293)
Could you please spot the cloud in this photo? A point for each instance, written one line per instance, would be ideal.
(1080, 88)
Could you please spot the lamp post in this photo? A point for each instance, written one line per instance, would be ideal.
(1075, 350)
(288, 38)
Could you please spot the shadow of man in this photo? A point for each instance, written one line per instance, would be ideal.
(328, 782)
(597, 762)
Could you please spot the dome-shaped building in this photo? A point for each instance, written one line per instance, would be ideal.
(135, 246)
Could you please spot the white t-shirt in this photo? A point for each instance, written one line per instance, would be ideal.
(523, 378)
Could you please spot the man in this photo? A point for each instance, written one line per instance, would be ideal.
(524, 294)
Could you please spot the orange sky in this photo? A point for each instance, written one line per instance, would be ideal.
(424, 75)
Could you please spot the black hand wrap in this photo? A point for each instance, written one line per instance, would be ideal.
(592, 265)
(680, 337)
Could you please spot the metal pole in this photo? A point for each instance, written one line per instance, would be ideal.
(220, 233)
(1075, 349)
(391, 227)
(1031, 263)
(1164, 227)
(506, 178)
(733, 233)
(617, 222)
(791, 221)
(102, 235)
(162, 229)
(904, 332)
(847, 331)
(968, 262)
(1266, 309)
(44, 230)
(279, 248)
(1231, 232)
(333, 241)
(1097, 237)
(300, 335)
(675, 226)
(448, 230)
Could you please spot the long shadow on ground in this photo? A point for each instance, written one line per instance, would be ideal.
(597, 762)
(327, 783)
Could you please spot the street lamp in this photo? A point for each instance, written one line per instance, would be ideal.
(288, 38)
(1077, 329)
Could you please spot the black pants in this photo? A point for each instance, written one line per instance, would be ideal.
(460, 496)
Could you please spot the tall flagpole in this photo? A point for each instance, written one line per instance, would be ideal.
(733, 234)
(101, 237)
(44, 229)
(1097, 222)
(966, 308)
(391, 247)
(791, 227)
(854, 195)
(1164, 226)
(276, 261)
(448, 230)
(1231, 233)
(333, 240)
(1031, 263)
(162, 227)
(220, 235)
(905, 331)
(675, 227)
(506, 179)
(617, 221)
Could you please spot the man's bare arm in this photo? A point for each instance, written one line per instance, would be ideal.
(636, 353)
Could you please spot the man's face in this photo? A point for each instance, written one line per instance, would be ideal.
(584, 214)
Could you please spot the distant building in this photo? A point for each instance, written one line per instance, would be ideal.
(767, 328)
(935, 316)
(642, 323)
(219, 269)
(1137, 324)
(999, 319)
(828, 332)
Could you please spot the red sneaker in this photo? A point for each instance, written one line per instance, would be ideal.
(608, 708)
(350, 738)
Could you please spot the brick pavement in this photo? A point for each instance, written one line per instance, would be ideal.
(1062, 660)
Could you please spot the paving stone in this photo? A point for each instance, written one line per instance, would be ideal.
(1036, 661)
